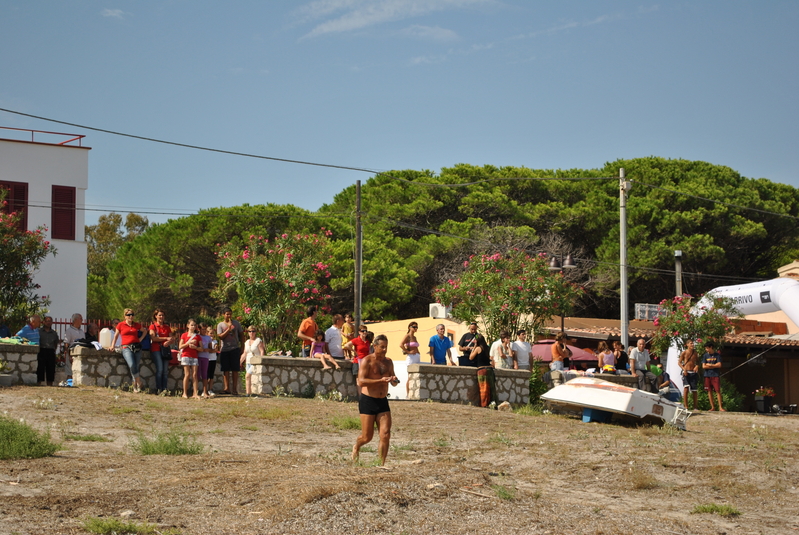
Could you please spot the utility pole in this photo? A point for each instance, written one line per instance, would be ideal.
(624, 325)
(358, 256)
(678, 271)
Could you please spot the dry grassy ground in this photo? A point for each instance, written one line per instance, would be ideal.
(281, 465)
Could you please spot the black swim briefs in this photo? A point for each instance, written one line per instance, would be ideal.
(373, 406)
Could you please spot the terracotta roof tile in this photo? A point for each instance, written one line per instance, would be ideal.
(648, 333)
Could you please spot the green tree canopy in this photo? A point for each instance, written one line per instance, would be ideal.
(419, 226)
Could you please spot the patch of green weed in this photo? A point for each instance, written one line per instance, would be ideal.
(18, 440)
(172, 442)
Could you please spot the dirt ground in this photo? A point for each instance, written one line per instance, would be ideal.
(282, 465)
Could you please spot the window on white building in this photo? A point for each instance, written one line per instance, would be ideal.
(16, 201)
(63, 213)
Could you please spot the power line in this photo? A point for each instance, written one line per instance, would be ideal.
(287, 160)
(188, 146)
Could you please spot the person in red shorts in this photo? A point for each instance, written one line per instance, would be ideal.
(711, 368)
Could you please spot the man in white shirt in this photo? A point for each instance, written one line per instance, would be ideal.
(501, 353)
(639, 365)
(72, 333)
(334, 339)
(522, 352)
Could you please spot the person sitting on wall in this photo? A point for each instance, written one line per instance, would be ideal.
(5, 332)
(92, 334)
(72, 333)
(639, 366)
(30, 331)
(666, 387)
(622, 360)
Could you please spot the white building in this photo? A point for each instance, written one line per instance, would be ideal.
(47, 176)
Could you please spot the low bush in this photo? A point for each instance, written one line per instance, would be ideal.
(18, 440)
(172, 442)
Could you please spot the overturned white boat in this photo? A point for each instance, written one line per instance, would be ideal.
(598, 399)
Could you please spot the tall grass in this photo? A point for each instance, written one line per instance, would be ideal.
(346, 422)
(172, 442)
(721, 510)
(18, 440)
(113, 526)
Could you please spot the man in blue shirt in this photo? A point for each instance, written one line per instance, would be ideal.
(440, 347)
(31, 331)
(711, 366)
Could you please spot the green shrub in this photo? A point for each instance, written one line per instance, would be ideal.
(731, 399)
(172, 442)
(346, 422)
(18, 440)
(537, 385)
(113, 526)
(308, 391)
(712, 508)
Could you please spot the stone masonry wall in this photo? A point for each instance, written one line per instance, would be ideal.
(293, 374)
(21, 362)
(455, 384)
(91, 367)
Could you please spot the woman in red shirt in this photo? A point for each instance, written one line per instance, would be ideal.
(190, 342)
(160, 334)
(131, 334)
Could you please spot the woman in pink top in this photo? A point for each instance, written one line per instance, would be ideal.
(320, 350)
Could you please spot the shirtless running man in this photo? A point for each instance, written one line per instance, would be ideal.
(689, 363)
(374, 376)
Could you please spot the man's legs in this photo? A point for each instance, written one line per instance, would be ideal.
(384, 429)
(235, 380)
(640, 376)
(685, 397)
(226, 381)
(652, 380)
(718, 396)
(709, 390)
(367, 432)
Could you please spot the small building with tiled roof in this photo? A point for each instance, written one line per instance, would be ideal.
(760, 353)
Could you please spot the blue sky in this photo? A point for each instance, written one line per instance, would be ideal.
(396, 84)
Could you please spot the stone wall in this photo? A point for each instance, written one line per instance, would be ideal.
(455, 384)
(293, 374)
(91, 367)
(21, 362)
(450, 384)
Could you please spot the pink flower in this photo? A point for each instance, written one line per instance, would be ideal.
(227, 274)
(284, 236)
(247, 310)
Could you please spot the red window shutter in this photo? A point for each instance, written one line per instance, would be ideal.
(63, 213)
(17, 200)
